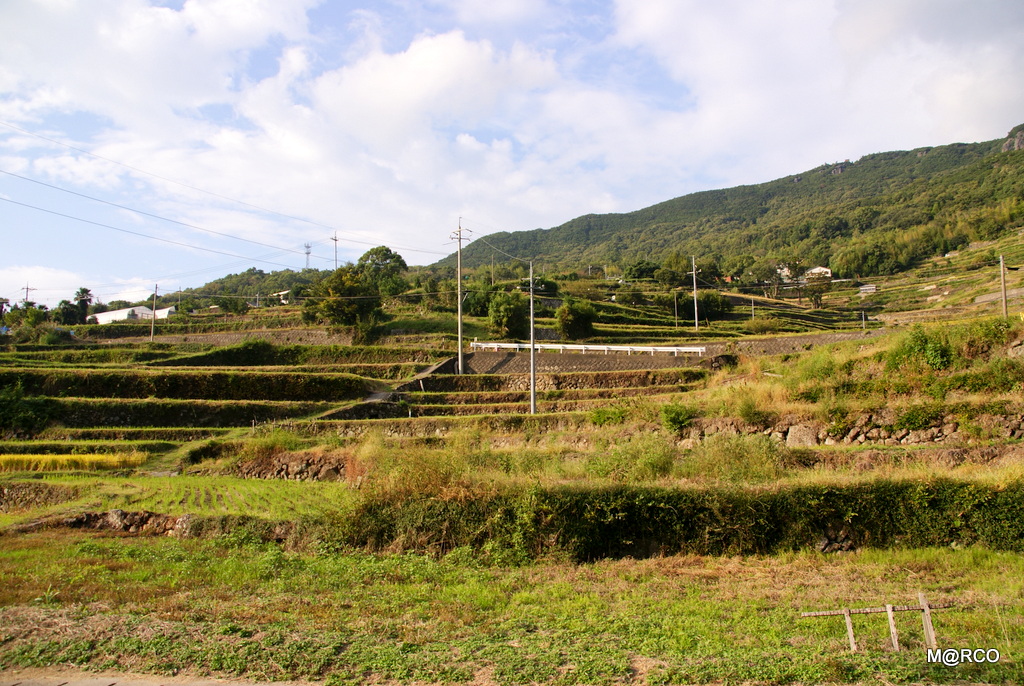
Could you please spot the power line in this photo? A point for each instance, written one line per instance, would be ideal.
(202, 190)
(136, 233)
(148, 214)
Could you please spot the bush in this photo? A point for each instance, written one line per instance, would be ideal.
(762, 325)
(189, 385)
(21, 416)
(735, 459)
(586, 524)
(575, 320)
(753, 415)
(713, 305)
(509, 315)
(676, 417)
(643, 458)
(918, 417)
(607, 415)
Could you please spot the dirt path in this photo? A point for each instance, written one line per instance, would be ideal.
(52, 676)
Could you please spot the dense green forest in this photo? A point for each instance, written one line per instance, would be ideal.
(882, 214)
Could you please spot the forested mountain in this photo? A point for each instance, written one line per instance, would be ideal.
(879, 215)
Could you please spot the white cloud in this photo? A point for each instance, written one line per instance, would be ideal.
(497, 12)
(775, 84)
(48, 285)
(136, 64)
(397, 117)
(439, 81)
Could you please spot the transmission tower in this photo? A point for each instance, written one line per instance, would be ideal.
(309, 249)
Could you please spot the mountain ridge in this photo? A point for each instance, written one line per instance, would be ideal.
(880, 214)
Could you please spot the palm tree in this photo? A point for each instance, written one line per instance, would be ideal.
(83, 297)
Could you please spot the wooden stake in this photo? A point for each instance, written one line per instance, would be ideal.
(926, 618)
(892, 629)
(849, 629)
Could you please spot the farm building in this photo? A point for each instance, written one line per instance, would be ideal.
(132, 313)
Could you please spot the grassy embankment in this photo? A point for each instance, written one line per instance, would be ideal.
(504, 595)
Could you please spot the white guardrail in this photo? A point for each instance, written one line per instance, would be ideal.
(606, 349)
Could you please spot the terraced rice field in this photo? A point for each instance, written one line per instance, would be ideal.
(60, 463)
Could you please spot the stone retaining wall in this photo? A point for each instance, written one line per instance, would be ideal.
(871, 429)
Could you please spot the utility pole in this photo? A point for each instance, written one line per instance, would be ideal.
(27, 289)
(152, 319)
(675, 304)
(335, 239)
(457, 235)
(1002, 284)
(533, 351)
(696, 319)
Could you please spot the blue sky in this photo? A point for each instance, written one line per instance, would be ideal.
(173, 142)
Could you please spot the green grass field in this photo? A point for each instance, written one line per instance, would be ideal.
(234, 607)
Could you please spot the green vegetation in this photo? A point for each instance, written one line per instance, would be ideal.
(882, 214)
(223, 606)
(661, 520)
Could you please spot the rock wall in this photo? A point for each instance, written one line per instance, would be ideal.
(17, 496)
(297, 466)
(874, 429)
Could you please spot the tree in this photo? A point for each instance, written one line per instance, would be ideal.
(712, 305)
(575, 320)
(630, 296)
(509, 315)
(817, 286)
(343, 298)
(766, 275)
(381, 268)
(34, 316)
(236, 305)
(669, 278)
(67, 314)
(83, 298)
(641, 270)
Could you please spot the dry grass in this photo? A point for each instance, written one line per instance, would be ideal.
(67, 463)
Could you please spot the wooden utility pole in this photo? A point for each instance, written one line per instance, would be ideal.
(457, 235)
(696, 314)
(152, 318)
(1002, 284)
(533, 351)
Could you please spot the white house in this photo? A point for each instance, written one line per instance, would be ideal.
(818, 273)
(138, 312)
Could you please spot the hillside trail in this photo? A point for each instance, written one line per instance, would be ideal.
(54, 676)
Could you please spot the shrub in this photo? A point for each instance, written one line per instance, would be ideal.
(675, 417)
(601, 416)
(642, 458)
(713, 305)
(509, 315)
(575, 320)
(762, 325)
(736, 459)
(753, 415)
(21, 416)
(918, 417)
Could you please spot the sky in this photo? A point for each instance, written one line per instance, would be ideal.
(167, 143)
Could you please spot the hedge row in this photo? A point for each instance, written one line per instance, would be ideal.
(263, 353)
(592, 523)
(84, 355)
(82, 447)
(175, 434)
(186, 385)
(87, 413)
